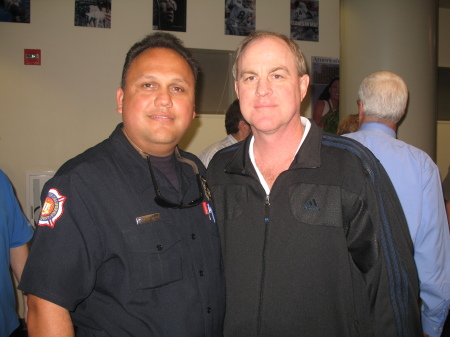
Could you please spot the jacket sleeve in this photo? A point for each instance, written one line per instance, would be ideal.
(392, 282)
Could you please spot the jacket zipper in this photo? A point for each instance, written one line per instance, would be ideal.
(266, 227)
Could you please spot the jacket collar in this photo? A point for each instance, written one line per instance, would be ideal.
(307, 157)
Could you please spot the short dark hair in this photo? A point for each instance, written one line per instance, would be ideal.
(232, 117)
(159, 40)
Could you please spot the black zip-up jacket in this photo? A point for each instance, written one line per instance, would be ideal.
(327, 253)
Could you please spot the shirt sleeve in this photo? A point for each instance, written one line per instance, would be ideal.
(20, 231)
(432, 254)
(67, 248)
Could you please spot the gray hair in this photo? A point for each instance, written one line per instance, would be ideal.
(384, 96)
(258, 34)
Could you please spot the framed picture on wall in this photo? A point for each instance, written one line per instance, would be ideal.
(93, 13)
(324, 70)
(325, 88)
(305, 20)
(240, 17)
(15, 11)
(169, 15)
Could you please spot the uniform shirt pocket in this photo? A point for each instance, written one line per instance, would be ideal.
(318, 205)
(154, 258)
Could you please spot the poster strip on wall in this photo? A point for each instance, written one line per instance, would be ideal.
(240, 17)
(169, 15)
(93, 13)
(324, 69)
(15, 11)
(305, 20)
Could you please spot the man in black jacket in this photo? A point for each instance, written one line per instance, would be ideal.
(313, 236)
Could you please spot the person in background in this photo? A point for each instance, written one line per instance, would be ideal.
(15, 232)
(348, 124)
(126, 244)
(237, 130)
(313, 242)
(382, 103)
(326, 110)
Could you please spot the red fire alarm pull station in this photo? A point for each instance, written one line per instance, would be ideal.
(32, 56)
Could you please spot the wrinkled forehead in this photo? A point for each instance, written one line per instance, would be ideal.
(268, 50)
(265, 45)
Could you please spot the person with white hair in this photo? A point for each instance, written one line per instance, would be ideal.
(383, 98)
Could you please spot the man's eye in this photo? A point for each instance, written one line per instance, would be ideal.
(277, 76)
(178, 89)
(148, 85)
(250, 78)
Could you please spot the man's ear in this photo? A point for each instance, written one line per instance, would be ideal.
(236, 89)
(360, 112)
(304, 84)
(243, 125)
(119, 100)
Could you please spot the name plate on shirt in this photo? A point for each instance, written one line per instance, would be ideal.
(148, 218)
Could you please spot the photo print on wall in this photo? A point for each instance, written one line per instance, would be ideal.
(15, 11)
(240, 17)
(169, 15)
(93, 13)
(305, 20)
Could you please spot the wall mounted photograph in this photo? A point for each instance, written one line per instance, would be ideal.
(15, 11)
(305, 20)
(240, 17)
(169, 15)
(93, 13)
(325, 92)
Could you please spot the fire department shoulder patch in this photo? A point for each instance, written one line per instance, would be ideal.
(53, 208)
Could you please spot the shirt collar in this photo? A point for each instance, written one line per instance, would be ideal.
(306, 123)
(373, 126)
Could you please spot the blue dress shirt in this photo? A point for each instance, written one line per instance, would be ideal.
(416, 180)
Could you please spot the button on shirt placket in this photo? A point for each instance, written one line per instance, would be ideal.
(201, 272)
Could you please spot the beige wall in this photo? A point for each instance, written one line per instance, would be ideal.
(54, 111)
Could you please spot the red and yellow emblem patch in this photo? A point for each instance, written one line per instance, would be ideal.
(53, 208)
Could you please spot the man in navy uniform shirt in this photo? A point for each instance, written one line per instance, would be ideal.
(126, 244)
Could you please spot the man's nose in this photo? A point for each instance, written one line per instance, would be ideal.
(263, 87)
(163, 98)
